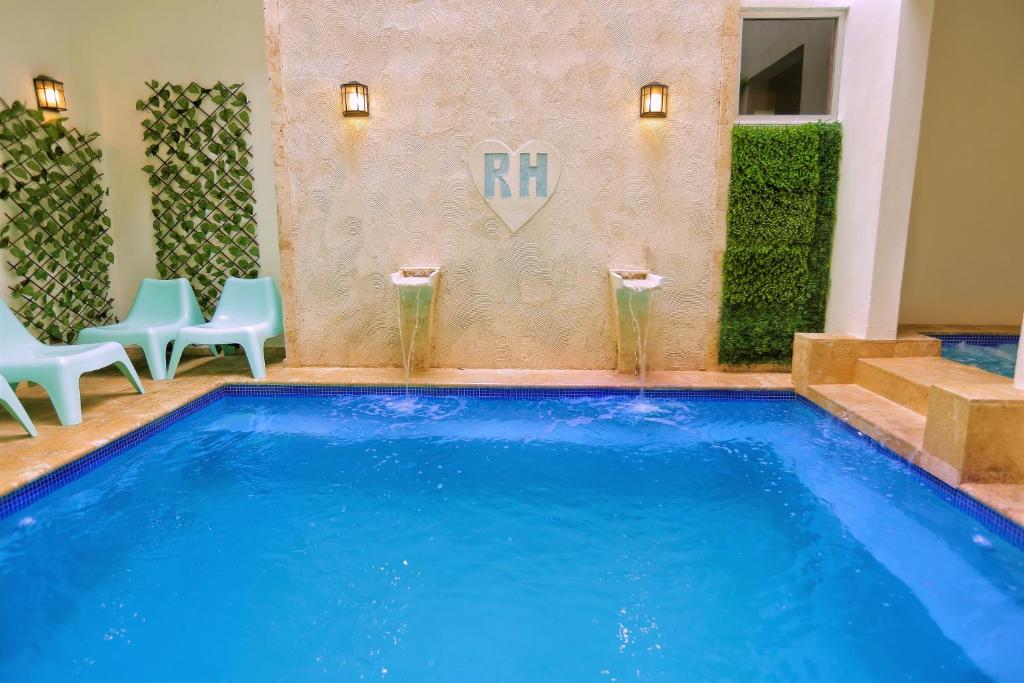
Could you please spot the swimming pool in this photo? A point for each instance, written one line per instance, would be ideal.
(484, 535)
(993, 352)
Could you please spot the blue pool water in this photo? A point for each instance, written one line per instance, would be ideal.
(995, 353)
(449, 538)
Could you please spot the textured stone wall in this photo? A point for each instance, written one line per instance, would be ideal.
(360, 197)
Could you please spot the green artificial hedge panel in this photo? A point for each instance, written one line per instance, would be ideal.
(758, 338)
(202, 186)
(770, 217)
(820, 255)
(766, 275)
(776, 158)
(782, 198)
(56, 230)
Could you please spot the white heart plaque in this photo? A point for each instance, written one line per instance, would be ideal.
(515, 184)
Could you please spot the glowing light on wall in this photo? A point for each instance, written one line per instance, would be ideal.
(654, 100)
(49, 94)
(355, 99)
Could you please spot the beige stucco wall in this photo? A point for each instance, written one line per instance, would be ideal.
(963, 264)
(361, 197)
(105, 51)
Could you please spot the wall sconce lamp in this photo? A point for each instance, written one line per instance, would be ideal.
(654, 100)
(355, 99)
(49, 94)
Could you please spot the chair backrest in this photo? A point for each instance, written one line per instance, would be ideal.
(244, 302)
(15, 341)
(161, 302)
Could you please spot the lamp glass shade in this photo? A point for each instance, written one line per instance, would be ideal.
(49, 94)
(355, 99)
(654, 100)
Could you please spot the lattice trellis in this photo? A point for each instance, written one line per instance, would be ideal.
(203, 206)
(56, 231)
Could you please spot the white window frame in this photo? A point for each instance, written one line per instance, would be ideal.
(773, 12)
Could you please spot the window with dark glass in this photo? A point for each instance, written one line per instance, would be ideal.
(787, 66)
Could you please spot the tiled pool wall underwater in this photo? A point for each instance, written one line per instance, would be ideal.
(993, 352)
(21, 498)
(977, 339)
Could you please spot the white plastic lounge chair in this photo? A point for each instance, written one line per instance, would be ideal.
(9, 400)
(248, 314)
(161, 308)
(56, 368)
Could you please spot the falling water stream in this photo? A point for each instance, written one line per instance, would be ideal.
(641, 341)
(407, 353)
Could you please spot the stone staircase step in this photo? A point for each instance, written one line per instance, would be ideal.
(889, 423)
(906, 381)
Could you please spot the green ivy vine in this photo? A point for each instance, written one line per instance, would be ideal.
(202, 186)
(57, 232)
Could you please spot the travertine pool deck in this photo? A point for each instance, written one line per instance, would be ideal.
(111, 408)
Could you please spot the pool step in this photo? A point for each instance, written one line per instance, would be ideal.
(886, 421)
(907, 381)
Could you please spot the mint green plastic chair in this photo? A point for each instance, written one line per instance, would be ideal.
(56, 368)
(161, 308)
(248, 314)
(9, 400)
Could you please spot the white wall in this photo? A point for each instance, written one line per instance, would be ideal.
(898, 169)
(104, 51)
(885, 48)
(966, 230)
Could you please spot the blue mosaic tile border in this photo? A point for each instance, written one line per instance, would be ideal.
(64, 475)
(264, 390)
(1005, 528)
(977, 339)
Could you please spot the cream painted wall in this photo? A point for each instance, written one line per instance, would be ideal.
(966, 227)
(51, 50)
(364, 197)
(104, 51)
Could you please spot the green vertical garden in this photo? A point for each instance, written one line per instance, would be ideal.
(782, 200)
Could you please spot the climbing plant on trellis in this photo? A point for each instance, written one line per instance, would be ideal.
(55, 231)
(203, 206)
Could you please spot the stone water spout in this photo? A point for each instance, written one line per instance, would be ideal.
(632, 292)
(417, 286)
